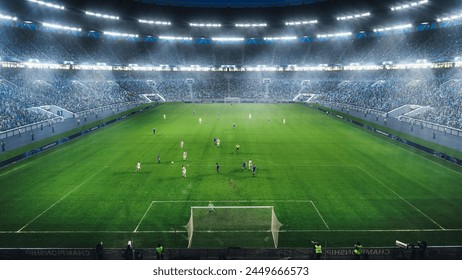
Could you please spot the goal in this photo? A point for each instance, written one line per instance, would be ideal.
(233, 226)
(232, 100)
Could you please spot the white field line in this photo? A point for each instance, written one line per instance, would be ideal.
(15, 169)
(402, 198)
(147, 210)
(88, 179)
(229, 201)
(407, 150)
(315, 208)
(184, 231)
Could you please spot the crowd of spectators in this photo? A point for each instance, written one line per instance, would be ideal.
(382, 90)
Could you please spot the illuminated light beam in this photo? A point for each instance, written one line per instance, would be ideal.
(61, 27)
(46, 4)
(102, 15)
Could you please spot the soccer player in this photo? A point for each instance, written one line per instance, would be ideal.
(243, 165)
(154, 130)
(250, 164)
(254, 170)
(250, 116)
(237, 148)
(234, 125)
(185, 154)
(183, 171)
(158, 158)
(218, 168)
(200, 120)
(181, 144)
(218, 142)
(210, 208)
(283, 121)
(165, 117)
(138, 166)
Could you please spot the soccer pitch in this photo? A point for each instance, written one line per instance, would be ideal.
(326, 180)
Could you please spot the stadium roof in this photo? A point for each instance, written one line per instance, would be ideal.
(230, 3)
(275, 13)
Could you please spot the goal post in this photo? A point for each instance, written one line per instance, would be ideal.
(232, 100)
(228, 226)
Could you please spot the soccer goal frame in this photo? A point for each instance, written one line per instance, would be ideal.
(233, 219)
(232, 100)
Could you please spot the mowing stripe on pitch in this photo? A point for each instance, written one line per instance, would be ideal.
(402, 198)
(88, 179)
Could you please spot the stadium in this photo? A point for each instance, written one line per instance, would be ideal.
(231, 129)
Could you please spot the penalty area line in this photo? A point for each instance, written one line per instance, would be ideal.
(66, 195)
(315, 208)
(402, 198)
(142, 218)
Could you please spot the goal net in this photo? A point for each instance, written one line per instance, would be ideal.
(232, 100)
(233, 226)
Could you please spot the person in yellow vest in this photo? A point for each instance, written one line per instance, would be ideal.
(357, 251)
(160, 251)
(317, 249)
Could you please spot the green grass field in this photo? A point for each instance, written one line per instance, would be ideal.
(328, 180)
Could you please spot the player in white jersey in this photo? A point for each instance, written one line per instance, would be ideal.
(185, 154)
(181, 144)
(200, 120)
(138, 166)
(183, 171)
(250, 164)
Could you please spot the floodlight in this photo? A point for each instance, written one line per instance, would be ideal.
(227, 39)
(303, 22)
(61, 27)
(205, 24)
(409, 5)
(454, 17)
(285, 38)
(341, 34)
(102, 15)
(156, 22)
(175, 38)
(354, 16)
(250, 24)
(117, 34)
(46, 4)
(396, 27)
(8, 17)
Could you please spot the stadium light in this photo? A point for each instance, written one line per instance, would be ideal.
(341, 34)
(175, 38)
(228, 39)
(154, 22)
(61, 27)
(454, 17)
(303, 22)
(409, 5)
(396, 27)
(117, 34)
(250, 25)
(46, 4)
(350, 17)
(102, 15)
(8, 17)
(284, 38)
(205, 25)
